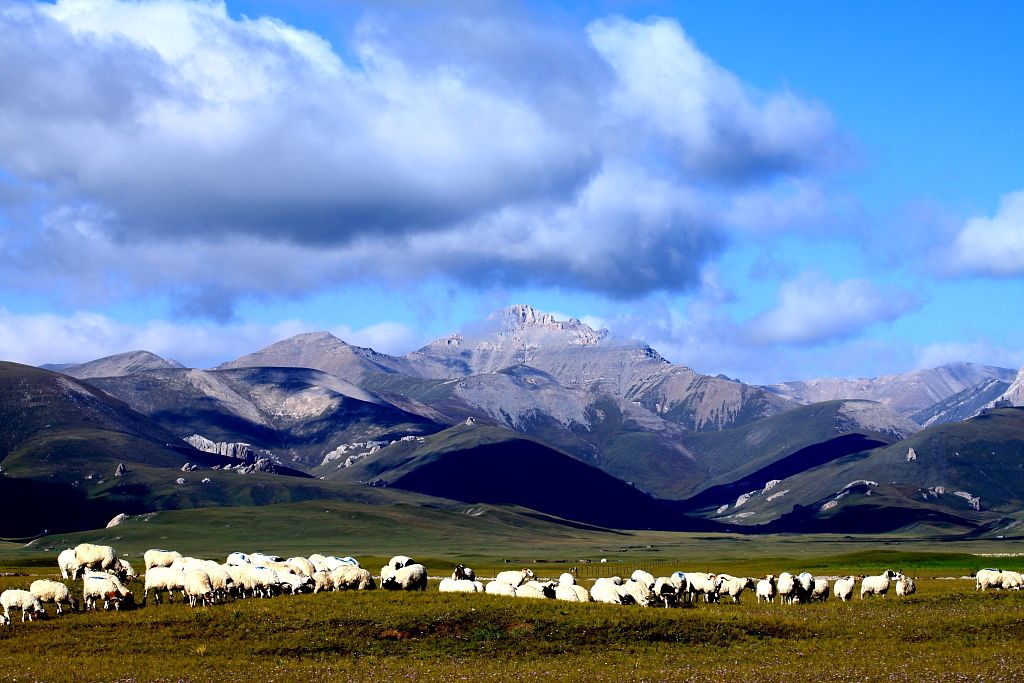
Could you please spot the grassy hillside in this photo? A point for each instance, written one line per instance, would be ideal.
(478, 463)
(982, 458)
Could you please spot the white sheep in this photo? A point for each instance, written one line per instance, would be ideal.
(399, 561)
(670, 588)
(643, 577)
(536, 589)
(295, 583)
(53, 591)
(787, 588)
(819, 590)
(346, 577)
(261, 581)
(568, 591)
(68, 564)
(765, 589)
(323, 580)
(263, 558)
(500, 588)
(733, 586)
(459, 586)
(905, 586)
(804, 586)
(876, 585)
(843, 587)
(698, 583)
(163, 579)
(412, 577)
(300, 565)
(93, 556)
(515, 578)
(1012, 580)
(639, 591)
(610, 591)
(96, 586)
(988, 578)
(238, 559)
(155, 557)
(198, 587)
(123, 570)
(20, 599)
(464, 572)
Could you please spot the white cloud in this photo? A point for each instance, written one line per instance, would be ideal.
(813, 309)
(984, 352)
(992, 246)
(207, 158)
(34, 339)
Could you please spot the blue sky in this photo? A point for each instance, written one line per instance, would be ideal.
(770, 191)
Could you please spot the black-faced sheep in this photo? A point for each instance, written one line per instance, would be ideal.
(411, 577)
(876, 585)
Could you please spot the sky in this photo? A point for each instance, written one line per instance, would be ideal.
(769, 191)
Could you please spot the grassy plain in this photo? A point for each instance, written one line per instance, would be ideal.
(946, 631)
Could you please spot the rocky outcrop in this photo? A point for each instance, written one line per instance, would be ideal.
(238, 451)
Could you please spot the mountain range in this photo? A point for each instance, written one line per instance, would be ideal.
(527, 410)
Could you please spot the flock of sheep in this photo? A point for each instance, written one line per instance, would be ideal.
(206, 582)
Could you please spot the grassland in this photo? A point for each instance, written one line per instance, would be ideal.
(946, 631)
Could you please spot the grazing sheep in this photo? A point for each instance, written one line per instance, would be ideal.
(568, 590)
(765, 589)
(515, 578)
(346, 577)
(92, 556)
(96, 586)
(163, 579)
(819, 590)
(399, 561)
(804, 586)
(463, 572)
(610, 591)
(300, 565)
(843, 588)
(323, 580)
(123, 570)
(787, 588)
(537, 590)
(500, 588)
(154, 557)
(68, 564)
(876, 585)
(1011, 580)
(459, 586)
(988, 578)
(262, 581)
(198, 587)
(295, 583)
(29, 604)
(670, 588)
(411, 577)
(639, 592)
(700, 584)
(55, 592)
(643, 577)
(264, 559)
(733, 586)
(238, 559)
(905, 586)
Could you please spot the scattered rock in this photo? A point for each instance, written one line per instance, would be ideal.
(120, 471)
(179, 481)
(117, 520)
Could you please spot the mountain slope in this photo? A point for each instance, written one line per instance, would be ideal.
(300, 415)
(321, 351)
(973, 469)
(118, 365)
(483, 464)
(963, 405)
(906, 393)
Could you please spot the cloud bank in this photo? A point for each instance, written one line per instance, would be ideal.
(167, 147)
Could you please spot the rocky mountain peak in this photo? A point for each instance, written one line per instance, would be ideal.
(520, 319)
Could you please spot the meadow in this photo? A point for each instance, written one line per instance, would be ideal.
(945, 632)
